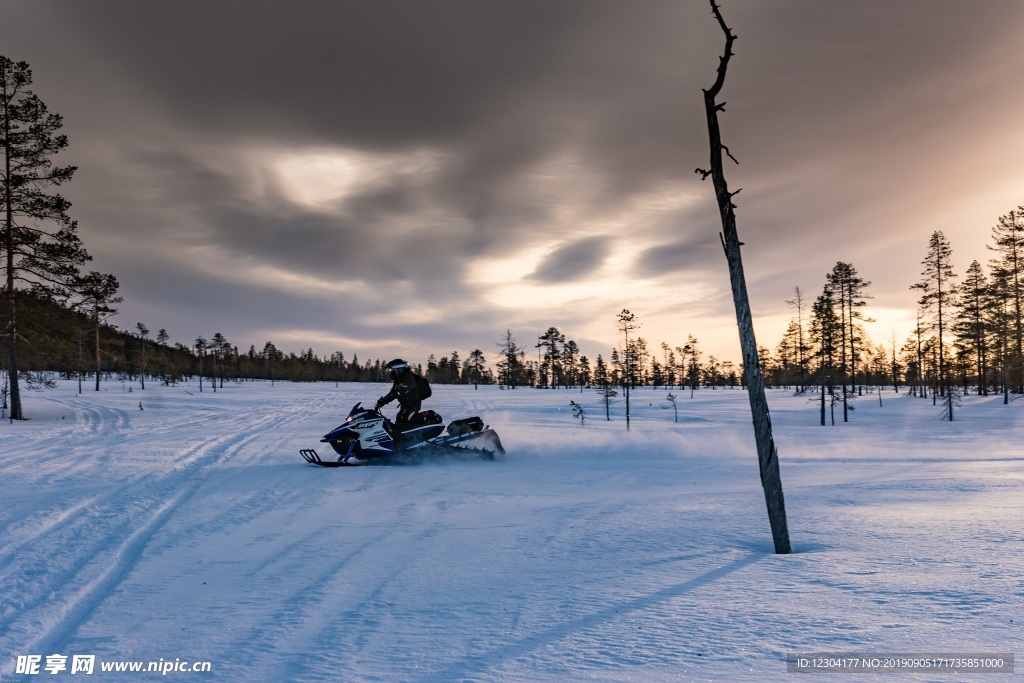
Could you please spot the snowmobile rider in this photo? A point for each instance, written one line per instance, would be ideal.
(405, 388)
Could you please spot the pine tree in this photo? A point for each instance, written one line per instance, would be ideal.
(338, 361)
(825, 333)
(894, 365)
(712, 371)
(690, 358)
(627, 323)
(605, 386)
(637, 354)
(585, 375)
(570, 363)
(453, 368)
(97, 291)
(162, 339)
(221, 353)
(937, 299)
(143, 334)
(799, 343)
(879, 369)
(793, 356)
(201, 344)
(475, 364)
(34, 253)
(657, 373)
(767, 362)
(510, 366)
(910, 361)
(550, 364)
(921, 347)
(1008, 234)
(670, 365)
(848, 291)
(1001, 319)
(971, 326)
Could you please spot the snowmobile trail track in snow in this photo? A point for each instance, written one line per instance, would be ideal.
(108, 531)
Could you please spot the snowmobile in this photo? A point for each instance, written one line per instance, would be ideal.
(368, 438)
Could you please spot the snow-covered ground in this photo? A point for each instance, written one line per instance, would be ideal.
(190, 530)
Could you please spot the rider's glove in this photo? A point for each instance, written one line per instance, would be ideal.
(381, 402)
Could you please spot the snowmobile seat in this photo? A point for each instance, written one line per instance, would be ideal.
(425, 417)
(425, 424)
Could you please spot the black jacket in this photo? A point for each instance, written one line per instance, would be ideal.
(406, 390)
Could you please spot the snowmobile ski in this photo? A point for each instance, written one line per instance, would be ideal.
(313, 458)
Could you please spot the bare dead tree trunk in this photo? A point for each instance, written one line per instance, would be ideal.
(767, 454)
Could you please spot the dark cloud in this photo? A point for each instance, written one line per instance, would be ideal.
(688, 254)
(860, 127)
(384, 74)
(572, 261)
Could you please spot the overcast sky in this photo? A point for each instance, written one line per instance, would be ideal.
(406, 177)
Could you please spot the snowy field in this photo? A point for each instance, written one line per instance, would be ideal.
(191, 531)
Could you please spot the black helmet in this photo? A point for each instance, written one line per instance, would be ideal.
(397, 368)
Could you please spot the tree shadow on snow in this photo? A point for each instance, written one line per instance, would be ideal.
(473, 664)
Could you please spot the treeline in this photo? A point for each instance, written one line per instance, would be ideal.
(559, 364)
(968, 336)
(61, 339)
